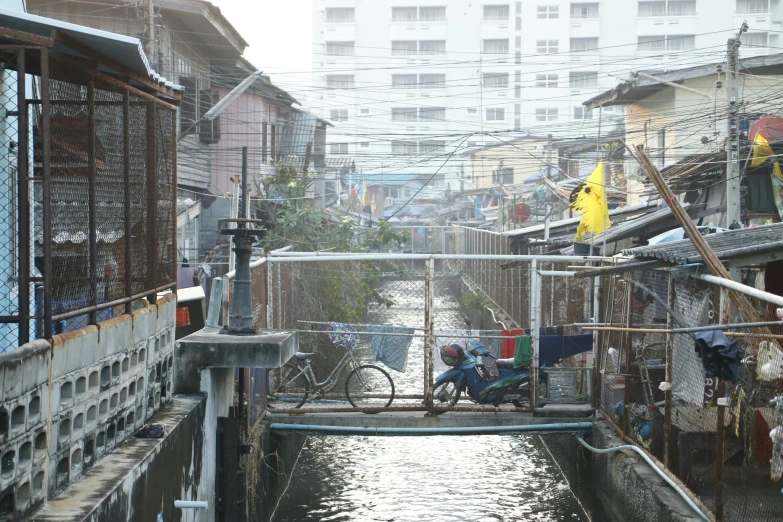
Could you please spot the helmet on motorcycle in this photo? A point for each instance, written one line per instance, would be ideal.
(452, 354)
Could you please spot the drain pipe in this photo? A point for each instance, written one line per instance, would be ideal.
(461, 430)
(655, 468)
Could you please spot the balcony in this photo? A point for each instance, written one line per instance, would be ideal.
(663, 25)
(585, 27)
(344, 32)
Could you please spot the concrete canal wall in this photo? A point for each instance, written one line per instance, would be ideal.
(615, 487)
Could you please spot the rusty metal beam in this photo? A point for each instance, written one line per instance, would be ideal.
(23, 200)
(46, 140)
(92, 185)
(29, 38)
(152, 202)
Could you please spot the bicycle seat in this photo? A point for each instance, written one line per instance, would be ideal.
(303, 356)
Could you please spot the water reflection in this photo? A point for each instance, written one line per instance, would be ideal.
(443, 478)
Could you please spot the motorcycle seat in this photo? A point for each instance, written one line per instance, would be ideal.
(506, 364)
(303, 356)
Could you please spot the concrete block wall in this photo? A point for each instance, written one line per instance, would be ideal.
(66, 404)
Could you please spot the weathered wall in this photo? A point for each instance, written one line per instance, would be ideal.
(64, 405)
(144, 477)
(618, 486)
(276, 456)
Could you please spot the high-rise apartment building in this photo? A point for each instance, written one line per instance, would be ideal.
(408, 82)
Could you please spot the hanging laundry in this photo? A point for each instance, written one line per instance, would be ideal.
(719, 357)
(510, 345)
(391, 350)
(344, 335)
(522, 351)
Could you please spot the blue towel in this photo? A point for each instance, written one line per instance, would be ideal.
(391, 350)
(553, 348)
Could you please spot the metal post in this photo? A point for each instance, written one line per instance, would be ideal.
(23, 199)
(240, 322)
(268, 296)
(46, 137)
(720, 434)
(429, 341)
(152, 204)
(667, 412)
(92, 187)
(628, 388)
(535, 325)
(127, 196)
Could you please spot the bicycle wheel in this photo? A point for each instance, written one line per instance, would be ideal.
(294, 386)
(369, 387)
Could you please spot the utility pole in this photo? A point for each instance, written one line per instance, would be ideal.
(151, 33)
(733, 209)
(733, 212)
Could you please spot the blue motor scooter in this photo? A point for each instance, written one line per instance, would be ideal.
(486, 379)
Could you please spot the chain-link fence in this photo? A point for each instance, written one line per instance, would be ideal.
(702, 401)
(87, 213)
(401, 308)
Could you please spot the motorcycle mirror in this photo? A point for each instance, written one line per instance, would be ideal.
(467, 322)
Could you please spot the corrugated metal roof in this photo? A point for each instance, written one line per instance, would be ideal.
(734, 243)
(565, 223)
(122, 49)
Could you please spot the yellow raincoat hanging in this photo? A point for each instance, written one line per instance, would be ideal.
(588, 198)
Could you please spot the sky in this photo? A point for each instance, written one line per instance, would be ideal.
(280, 36)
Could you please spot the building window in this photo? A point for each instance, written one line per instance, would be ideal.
(752, 6)
(754, 40)
(472, 110)
(432, 147)
(403, 81)
(432, 47)
(364, 144)
(404, 114)
(652, 43)
(546, 47)
(403, 14)
(682, 8)
(432, 14)
(680, 43)
(339, 81)
(365, 111)
(581, 114)
(652, 8)
(546, 80)
(432, 113)
(404, 147)
(338, 148)
(548, 11)
(495, 12)
(583, 80)
(404, 48)
(546, 114)
(496, 80)
(339, 114)
(340, 15)
(583, 45)
(339, 48)
(495, 46)
(496, 114)
(584, 10)
(503, 175)
(432, 81)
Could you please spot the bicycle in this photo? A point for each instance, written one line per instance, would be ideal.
(367, 386)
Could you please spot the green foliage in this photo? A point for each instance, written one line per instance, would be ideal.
(291, 220)
(473, 301)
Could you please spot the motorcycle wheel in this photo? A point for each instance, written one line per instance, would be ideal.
(519, 403)
(445, 394)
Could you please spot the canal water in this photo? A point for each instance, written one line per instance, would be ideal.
(415, 479)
